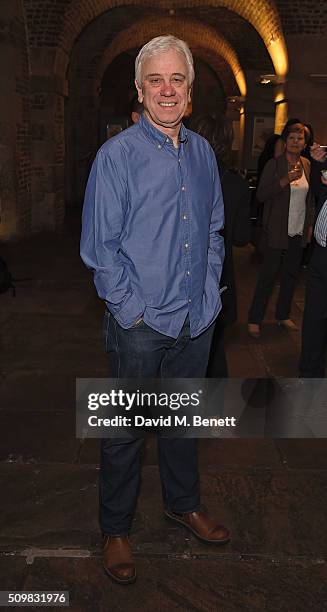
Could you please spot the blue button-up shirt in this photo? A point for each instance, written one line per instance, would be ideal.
(151, 221)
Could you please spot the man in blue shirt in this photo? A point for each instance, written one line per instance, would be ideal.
(151, 220)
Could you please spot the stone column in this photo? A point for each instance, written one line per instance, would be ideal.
(259, 103)
(82, 138)
(15, 192)
(48, 151)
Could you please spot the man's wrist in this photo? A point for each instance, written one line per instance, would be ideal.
(131, 310)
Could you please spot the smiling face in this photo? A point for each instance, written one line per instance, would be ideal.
(295, 142)
(164, 90)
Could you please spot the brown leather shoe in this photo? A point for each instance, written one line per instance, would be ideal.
(202, 526)
(254, 330)
(117, 559)
(288, 324)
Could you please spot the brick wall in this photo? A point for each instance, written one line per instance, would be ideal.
(262, 15)
(15, 170)
(47, 153)
(45, 19)
(306, 17)
(23, 150)
(75, 34)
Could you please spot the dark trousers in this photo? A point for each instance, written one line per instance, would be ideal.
(289, 260)
(217, 366)
(144, 353)
(314, 327)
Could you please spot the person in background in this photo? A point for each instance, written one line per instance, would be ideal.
(279, 149)
(137, 109)
(310, 141)
(287, 220)
(256, 212)
(219, 133)
(314, 326)
(280, 142)
(274, 147)
(267, 153)
(307, 153)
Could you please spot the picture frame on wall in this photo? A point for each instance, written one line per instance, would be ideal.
(263, 127)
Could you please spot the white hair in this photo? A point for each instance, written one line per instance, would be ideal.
(162, 44)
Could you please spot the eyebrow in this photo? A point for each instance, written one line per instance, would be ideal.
(156, 74)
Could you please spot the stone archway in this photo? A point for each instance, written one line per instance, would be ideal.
(82, 13)
(206, 45)
(264, 18)
(195, 33)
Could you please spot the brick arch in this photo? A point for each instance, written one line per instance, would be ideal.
(264, 18)
(220, 68)
(196, 34)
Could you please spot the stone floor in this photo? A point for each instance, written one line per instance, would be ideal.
(271, 493)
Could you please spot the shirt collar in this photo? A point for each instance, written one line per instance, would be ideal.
(157, 136)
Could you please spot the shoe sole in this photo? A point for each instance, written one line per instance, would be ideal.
(120, 580)
(287, 327)
(171, 517)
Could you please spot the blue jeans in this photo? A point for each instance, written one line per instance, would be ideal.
(144, 353)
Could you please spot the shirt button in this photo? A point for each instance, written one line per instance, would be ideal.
(167, 140)
(183, 188)
(184, 217)
(159, 146)
(186, 245)
(188, 272)
(189, 301)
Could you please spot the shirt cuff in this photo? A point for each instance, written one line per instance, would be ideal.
(131, 310)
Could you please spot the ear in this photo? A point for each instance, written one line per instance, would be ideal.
(139, 92)
(189, 96)
(135, 117)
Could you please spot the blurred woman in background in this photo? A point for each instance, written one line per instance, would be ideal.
(287, 218)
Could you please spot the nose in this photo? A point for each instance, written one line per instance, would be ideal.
(167, 89)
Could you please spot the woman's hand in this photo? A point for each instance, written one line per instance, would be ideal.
(318, 153)
(293, 175)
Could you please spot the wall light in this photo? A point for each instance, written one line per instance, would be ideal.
(238, 100)
(271, 79)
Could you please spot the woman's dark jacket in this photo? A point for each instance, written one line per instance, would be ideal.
(277, 202)
(237, 228)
